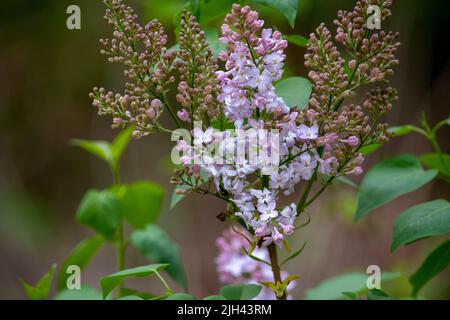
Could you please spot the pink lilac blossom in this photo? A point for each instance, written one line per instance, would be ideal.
(253, 62)
(234, 266)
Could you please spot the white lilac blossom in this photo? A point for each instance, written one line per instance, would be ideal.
(234, 266)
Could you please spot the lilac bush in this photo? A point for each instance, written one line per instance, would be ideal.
(313, 143)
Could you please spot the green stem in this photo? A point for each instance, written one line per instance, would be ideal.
(120, 245)
(168, 290)
(272, 248)
(171, 112)
(302, 203)
(437, 148)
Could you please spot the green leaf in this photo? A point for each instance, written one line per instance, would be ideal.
(180, 296)
(85, 293)
(80, 256)
(141, 203)
(130, 298)
(369, 149)
(423, 220)
(440, 163)
(156, 245)
(176, 197)
(347, 181)
(396, 131)
(101, 149)
(140, 294)
(334, 287)
(401, 130)
(389, 180)
(101, 211)
(240, 291)
(436, 262)
(108, 283)
(350, 295)
(297, 40)
(287, 8)
(376, 294)
(41, 289)
(295, 91)
(212, 9)
(214, 297)
(212, 36)
(294, 255)
(121, 142)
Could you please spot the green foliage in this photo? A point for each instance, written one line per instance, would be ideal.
(436, 262)
(423, 220)
(108, 283)
(180, 296)
(334, 287)
(294, 255)
(101, 211)
(130, 298)
(439, 162)
(295, 91)
(141, 202)
(400, 131)
(376, 294)
(214, 297)
(79, 256)
(109, 152)
(156, 245)
(395, 131)
(287, 8)
(41, 289)
(298, 40)
(210, 10)
(212, 36)
(389, 180)
(84, 293)
(350, 295)
(240, 291)
(176, 198)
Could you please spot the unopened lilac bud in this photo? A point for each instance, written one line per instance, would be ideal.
(183, 115)
(156, 103)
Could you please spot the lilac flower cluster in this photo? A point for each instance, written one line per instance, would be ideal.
(234, 266)
(198, 86)
(316, 143)
(253, 61)
(149, 64)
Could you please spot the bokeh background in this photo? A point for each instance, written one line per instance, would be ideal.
(46, 73)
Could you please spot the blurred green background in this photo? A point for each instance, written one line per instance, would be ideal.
(46, 73)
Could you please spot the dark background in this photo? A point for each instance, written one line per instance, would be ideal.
(46, 73)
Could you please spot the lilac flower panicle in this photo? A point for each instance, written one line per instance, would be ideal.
(142, 49)
(198, 87)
